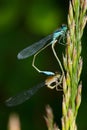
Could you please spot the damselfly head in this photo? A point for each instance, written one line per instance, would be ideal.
(60, 32)
(64, 27)
(53, 81)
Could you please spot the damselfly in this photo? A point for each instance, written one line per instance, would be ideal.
(37, 47)
(51, 82)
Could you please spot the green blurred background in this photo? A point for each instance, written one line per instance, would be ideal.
(23, 22)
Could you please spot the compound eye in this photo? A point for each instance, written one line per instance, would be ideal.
(53, 84)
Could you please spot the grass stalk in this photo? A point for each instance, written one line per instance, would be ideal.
(72, 86)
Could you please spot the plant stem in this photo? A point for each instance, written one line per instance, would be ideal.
(73, 63)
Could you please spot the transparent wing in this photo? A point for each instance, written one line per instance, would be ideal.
(31, 50)
(23, 96)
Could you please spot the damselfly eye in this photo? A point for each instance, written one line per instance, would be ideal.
(64, 27)
(53, 84)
